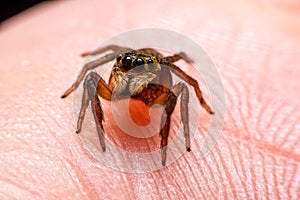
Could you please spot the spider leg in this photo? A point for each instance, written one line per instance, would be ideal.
(112, 47)
(94, 84)
(169, 101)
(99, 118)
(176, 70)
(86, 68)
(84, 104)
(176, 57)
(164, 133)
(181, 88)
(93, 64)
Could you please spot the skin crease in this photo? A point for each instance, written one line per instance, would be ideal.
(255, 46)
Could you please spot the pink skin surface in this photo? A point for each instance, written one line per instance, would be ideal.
(256, 48)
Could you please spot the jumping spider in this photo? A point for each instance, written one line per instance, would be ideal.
(142, 74)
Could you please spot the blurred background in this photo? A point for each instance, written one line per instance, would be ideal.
(13, 7)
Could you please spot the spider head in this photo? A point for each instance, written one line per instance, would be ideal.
(138, 62)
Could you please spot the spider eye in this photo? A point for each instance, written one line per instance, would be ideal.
(150, 61)
(139, 61)
(119, 57)
(127, 62)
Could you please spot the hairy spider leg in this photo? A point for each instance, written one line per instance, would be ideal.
(112, 47)
(168, 100)
(176, 70)
(93, 64)
(181, 89)
(176, 57)
(94, 85)
(86, 68)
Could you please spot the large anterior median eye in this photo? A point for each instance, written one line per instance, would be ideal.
(127, 62)
(139, 61)
(139, 64)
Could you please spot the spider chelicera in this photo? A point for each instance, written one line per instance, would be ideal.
(143, 74)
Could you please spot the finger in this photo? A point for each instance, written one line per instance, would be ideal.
(258, 150)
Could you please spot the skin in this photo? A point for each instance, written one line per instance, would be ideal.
(256, 48)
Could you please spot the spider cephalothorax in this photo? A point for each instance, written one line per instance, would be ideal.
(132, 72)
(142, 74)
